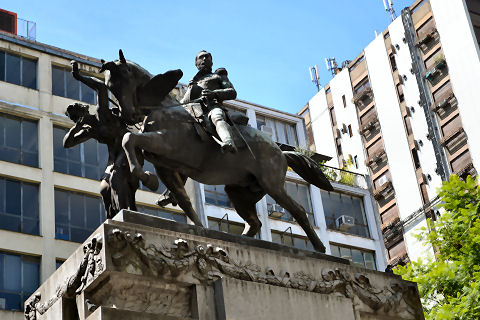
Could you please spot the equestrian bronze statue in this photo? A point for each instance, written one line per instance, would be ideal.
(242, 158)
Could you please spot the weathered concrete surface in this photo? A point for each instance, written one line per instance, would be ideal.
(152, 268)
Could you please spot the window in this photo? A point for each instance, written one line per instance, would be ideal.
(217, 196)
(148, 166)
(19, 278)
(88, 159)
(18, 141)
(344, 101)
(225, 226)
(355, 161)
(283, 132)
(18, 70)
(401, 97)
(393, 63)
(162, 213)
(19, 206)
(58, 263)
(65, 85)
(357, 257)
(300, 193)
(350, 132)
(76, 215)
(362, 85)
(289, 239)
(337, 204)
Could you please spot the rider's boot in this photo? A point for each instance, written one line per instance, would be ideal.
(224, 131)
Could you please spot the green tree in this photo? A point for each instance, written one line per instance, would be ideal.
(449, 284)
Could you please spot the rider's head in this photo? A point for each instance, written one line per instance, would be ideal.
(203, 60)
(76, 111)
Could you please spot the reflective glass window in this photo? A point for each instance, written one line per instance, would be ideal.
(19, 278)
(19, 206)
(18, 140)
(76, 215)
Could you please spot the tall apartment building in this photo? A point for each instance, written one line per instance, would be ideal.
(405, 112)
(49, 201)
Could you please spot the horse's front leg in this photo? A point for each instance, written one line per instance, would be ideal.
(130, 142)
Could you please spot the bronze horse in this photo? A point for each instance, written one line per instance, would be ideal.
(172, 144)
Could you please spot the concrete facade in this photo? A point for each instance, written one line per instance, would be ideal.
(415, 96)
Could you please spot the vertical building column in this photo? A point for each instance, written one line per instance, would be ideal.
(44, 78)
(194, 191)
(47, 199)
(319, 216)
(45, 140)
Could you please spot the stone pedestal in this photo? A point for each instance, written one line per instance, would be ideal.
(143, 267)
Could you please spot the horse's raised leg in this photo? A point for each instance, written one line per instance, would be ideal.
(175, 183)
(281, 196)
(244, 201)
(130, 142)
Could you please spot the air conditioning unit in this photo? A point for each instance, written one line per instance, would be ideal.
(2, 303)
(276, 211)
(267, 130)
(345, 222)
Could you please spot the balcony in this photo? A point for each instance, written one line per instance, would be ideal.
(384, 191)
(345, 177)
(376, 158)
(438, 72)
(428, 40)
(444, 104)
(368, 126)
(363, 97)
(454, 140)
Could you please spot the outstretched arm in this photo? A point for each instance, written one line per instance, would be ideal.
(91, 82)
(77, 134)
(95, 84)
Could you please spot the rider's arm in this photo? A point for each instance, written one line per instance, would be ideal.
(227, 91)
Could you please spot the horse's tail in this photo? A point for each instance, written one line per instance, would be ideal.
(308, 169)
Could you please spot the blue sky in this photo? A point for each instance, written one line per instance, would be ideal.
(266, 46)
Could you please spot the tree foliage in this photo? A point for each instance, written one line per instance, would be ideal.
(449, 284)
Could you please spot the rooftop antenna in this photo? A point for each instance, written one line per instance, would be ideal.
(332, 66)
(388, 4)
(315, 76)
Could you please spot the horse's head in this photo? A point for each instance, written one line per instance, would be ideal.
(123, 78)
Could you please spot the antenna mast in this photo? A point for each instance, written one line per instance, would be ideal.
(315, 76)
(332, 66)
(388, 4)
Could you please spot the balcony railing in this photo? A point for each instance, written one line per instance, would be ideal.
(345, 177)
(26, 29)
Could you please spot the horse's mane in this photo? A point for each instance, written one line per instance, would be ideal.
(140, 72)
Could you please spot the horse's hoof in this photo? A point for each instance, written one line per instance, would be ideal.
(166, 201)
(151, 182)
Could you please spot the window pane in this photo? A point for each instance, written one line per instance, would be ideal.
(281, 134)
(92, 206)
(29, 73)
(345, 253)
(88, 95)
(13, 69)
(61, 207)
(73, 86)
(30, 200)
(29, 136)
(13, 268)
(58, 81)
(369, 260)
(77, 210)
(13, 197)
(357, 258)
(292, 135)
(30, 276)
(2, 66)
(12, 133)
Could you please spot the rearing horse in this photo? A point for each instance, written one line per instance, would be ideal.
(171, 143)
